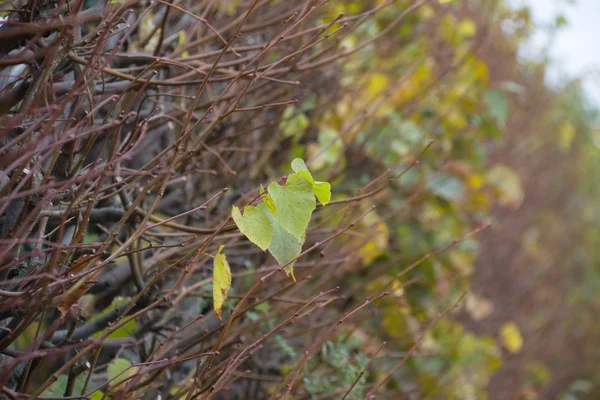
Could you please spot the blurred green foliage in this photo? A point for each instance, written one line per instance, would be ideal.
(431, 81)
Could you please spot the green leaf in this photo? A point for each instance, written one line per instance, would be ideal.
(328, 151)
(57, 389)
(124, 331)
(560, 21)
(221, 281)
(116, 367)
(294, 203)
(293, 123)
(447, 187)
(285, 246)
(321, 189)
(497, 106)
(255, 225)
(299, 165)
(252, 315)
(97, 395)
(279, 223)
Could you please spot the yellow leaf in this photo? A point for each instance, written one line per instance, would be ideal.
(378, 235)
(566, 136)
(221, 281)
(463, 261)
(146, 28)
(415, 84)
(267, 200)
(476, 181)
(507, 184)
(448, 28)
(377, 84)
(394, 321)
(480, 71)
(511, 337)
(28, 336)
(539, 372)
(181, 39)
(455, 119)
(232, 8)
(479, 201)
(466, 28)
(397, 288)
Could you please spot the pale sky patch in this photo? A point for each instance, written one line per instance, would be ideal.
(575, 50)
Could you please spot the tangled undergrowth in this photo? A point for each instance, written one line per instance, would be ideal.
(130, 131)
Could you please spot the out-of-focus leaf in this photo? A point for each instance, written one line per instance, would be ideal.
(507, 184)
(328, 151)
(567, 396)
(582, 386)
(181, 40)
(466, 28)
(448, 29)
(414, 84)
(125, 330)
(478, 307)
(376, 84)
(497, 106)
(513, 87)
(511, 337)
(447, 187)
(147, 27)
(566, 134)
(463, 261)
(119, 371)
(57, 389)
(561, 21)
(539, 372)
(25, 339)
(378, 238)
(293, 122)
(116, 367)
(480, 71)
